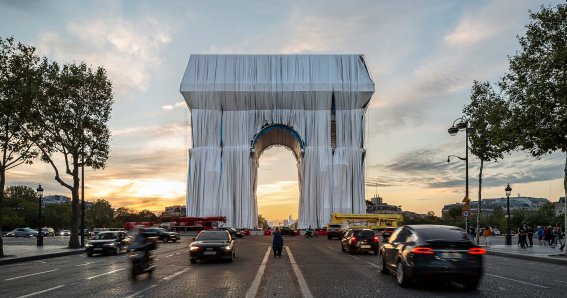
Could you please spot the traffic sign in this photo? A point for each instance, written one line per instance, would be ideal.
(466, 207)
(466, 200)
(466, 213)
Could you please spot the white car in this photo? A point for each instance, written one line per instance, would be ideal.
(65, 233)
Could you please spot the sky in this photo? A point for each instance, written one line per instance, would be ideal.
(422, 55)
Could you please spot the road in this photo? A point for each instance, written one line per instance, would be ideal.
(309, 267)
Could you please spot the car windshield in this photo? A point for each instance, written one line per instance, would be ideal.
(105, 236)
(212, 236)
(443, 234)
(364, 234)
(334, 226)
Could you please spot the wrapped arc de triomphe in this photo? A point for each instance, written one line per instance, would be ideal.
(243, 104)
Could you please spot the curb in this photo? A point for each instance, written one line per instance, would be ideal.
(549, 259)
(40, 257)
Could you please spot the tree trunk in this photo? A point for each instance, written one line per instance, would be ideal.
(479, 203)
(2, 183)
(74, 239)
(565, 200)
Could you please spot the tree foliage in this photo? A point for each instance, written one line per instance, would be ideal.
(100, 214)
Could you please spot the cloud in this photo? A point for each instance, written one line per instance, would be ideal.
(128, 49)
(179, 104)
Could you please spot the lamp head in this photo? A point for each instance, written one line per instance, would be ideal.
(39, 190)
(508, 190)
(462, 125)
(453, 130)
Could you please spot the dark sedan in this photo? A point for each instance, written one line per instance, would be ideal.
(360, 240)
(233, 232)
(432, 252)
(212, 244)
(162, 234)
(109, 242)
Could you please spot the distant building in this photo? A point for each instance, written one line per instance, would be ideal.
(377, 206)
(488, 205)
(560, 207)
(55, 199)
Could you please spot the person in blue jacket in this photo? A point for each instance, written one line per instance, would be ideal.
(277, 243)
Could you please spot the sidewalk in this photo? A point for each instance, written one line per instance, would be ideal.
(541, 253)
(23, 253)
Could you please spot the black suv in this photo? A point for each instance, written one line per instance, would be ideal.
(287, 231)
(162, 234)
(107, 243)
(360, 240)
(335, 231)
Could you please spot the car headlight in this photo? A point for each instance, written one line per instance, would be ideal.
(109, 244)
(194, 248)
(88, 245)
(228, 247)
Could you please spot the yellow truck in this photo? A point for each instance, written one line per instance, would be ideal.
(369, 221)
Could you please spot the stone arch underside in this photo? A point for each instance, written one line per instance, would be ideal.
(233, 98)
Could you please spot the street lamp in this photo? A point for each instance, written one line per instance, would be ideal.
(462, 124)
(508, 190)
(39, 232)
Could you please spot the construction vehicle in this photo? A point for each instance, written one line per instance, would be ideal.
(368, 221)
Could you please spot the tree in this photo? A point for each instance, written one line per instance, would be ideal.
(124, 214)
(147, 215)
(18, 80)
(57, 216)
(71, 119)
(262, 222)
(100, 214)
(537, 85)
(21, 192)
(487, 115)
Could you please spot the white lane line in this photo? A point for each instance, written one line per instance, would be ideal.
(140, 292)
(171, 255)
(253, 290)
(41, 292)
(38, 273)
(87, 263)
(371, 264)
(520, 281)
(175, 274)
(107, 273)
(177, 253)
(300, 279)
(565, 282)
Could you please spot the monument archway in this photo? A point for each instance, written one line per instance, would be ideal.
(242, 104)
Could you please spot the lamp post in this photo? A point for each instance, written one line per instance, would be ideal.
(39, 232)
(508, 190)
(462, 124)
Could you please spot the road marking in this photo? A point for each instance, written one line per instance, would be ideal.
(300, 279)
(175, 274)
(371, 264)
(140, 292)
(171, 255)
(41, 292)
(251, 293)
(107, 273)
(38, 273)
(565, 282)
(520, 281)
(87, 263)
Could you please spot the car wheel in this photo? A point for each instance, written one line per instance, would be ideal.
(471, 284)
(329, 237)
(383, 268)
(193, 261)
(165, 240)
(342, 248)
(174, 240)
(89, 254)
(117, 250)
(376, 252)
(402, 275)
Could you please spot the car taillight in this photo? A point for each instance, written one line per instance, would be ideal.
(423, 251)
(340, 230)
(353, 239)
(375, 239)
(477, 251)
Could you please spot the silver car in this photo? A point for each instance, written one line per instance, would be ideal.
(22, 232)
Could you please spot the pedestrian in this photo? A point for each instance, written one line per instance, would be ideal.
(277, 243)
(530, 231)
(551, 236)
(547, 236)
(558, 232)
(487, 235)
(522, 236)
(540, 234)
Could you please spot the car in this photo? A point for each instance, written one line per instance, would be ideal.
(495, 232)
(335, 231)
(432, 252)
(48, 232)
(387, 232)
(360, 240)
(233, 232)
(162, 234)
(108, 242)
(65, 233)
(212, 244)
(98, 230)
(287, 231)
(22, 232)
